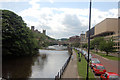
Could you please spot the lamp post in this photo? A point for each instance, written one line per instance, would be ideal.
(87, 78)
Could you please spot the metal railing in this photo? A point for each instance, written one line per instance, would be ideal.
(60, 73)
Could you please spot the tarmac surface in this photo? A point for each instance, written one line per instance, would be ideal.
(71, 70)
(110, 65)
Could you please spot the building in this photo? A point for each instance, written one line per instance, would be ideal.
(92, 32)
(44, 32)
(32, 28)
(37, 31)
(74, 39)
(107, 28)
(82, 39)
(119, 34)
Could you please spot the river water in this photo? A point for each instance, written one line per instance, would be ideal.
(44, 66)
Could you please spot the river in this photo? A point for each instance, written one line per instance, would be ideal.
(44, 66)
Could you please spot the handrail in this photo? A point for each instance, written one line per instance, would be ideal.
(60, 73)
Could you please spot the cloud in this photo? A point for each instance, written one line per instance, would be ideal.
(98, 16)
(13, 0)
(61, 1)
(34, 4)
(52, 1)
(63, 22)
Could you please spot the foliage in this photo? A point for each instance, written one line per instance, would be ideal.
(75, 44)
(85, 45)
(101, 44)
(108, 57)
(96, 42)
(92, 44)
(106, 46)
(17, 38)
(64, 39)
(43, 40)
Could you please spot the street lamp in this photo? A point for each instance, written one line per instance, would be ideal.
(87, 78)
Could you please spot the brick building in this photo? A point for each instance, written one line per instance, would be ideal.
(82, 39)
(74, 39)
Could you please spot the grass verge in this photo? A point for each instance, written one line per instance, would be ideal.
(108, 57)
(82, 68)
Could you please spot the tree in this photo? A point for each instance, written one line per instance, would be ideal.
(96, 42)
(85, 45)
(17, 38)
(75, 44)
(92, 44)
(106, 46)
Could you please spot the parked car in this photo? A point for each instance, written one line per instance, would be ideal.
(82, 52)
(109, 76)
(93, 58)
(86, 56)
(94, 61)
(99, 69)
(85, 53)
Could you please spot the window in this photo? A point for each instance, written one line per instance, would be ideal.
(105, 75)
(113, 76)
(95, 66)
(100, 67)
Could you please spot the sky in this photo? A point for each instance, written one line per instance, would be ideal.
(61, 18)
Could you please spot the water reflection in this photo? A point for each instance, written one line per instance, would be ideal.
(44, 66)
(50, 64)
(18, 68)
(57, 47)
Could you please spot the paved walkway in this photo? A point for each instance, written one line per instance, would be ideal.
(110, 65)
(71, 70)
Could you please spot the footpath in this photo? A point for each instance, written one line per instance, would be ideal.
(71, 70)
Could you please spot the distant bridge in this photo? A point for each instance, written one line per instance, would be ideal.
(59, 42)
(63, 43)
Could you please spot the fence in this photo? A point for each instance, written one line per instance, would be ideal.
(60, 73)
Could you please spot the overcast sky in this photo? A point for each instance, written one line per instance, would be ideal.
(61, 18)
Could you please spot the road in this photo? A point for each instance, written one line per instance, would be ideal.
(110, 65)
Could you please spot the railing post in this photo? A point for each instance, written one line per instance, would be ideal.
(60, 73)
(64, 66)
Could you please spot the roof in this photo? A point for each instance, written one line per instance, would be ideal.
(105, 20)
(99, 65)
(93, 58)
